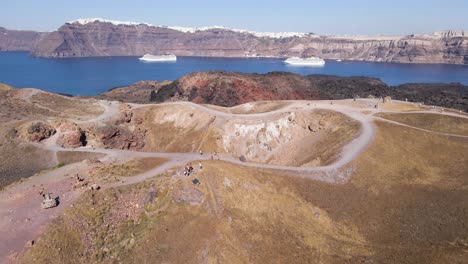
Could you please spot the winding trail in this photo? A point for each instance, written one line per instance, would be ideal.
(111, 109)
(21, 218)
(418, 128)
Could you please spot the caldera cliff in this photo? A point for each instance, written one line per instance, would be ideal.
(107, 38)
(99, 37)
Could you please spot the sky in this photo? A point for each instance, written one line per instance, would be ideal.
(327, 17)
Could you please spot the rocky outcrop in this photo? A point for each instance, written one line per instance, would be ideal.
(71, 135)
(229, 89)
(108, 39)
(18, 40)
(138, 92)
(111, 136)
(39, 131)
(336, 87)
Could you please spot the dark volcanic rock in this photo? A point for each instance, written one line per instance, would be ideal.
(452, 95)
(40, 131)
(336, 87)
(139, 92)
(229, 89)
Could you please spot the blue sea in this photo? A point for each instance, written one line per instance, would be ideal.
(91, 76)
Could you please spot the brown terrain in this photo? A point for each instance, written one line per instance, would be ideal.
(293, 181)
(106, 39)
(230, 89)
(139, 92)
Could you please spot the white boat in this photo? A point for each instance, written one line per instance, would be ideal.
(338, 60)
(311, 61)
(155, 58)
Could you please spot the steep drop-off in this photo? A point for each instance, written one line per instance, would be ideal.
(104, 38)
(18, 40)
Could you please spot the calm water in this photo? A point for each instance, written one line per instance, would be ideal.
(90, 76)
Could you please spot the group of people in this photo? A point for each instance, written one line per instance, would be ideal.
(188, 169)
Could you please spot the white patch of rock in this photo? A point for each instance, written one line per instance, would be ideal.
(84, 21)
(248, 139)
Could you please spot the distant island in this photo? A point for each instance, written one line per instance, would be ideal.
(101, 37)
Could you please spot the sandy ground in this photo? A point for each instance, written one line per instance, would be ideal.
(22, 219)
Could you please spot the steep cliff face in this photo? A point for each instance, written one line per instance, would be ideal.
(18, 40)
(408, 49)
(106, 39)
(101, 38)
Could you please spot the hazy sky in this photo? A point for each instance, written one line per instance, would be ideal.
(323, 17)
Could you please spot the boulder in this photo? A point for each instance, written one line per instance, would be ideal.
(387, 99)
(40, 131)
(124, 117)
(71, 135)
(94, 187)
(48, 202)
(29, 244)
(313, 127)
(117, 137)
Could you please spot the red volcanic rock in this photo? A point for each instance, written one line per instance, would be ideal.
(71, 135)
(124, 117)
(229, 89)
(120, 138)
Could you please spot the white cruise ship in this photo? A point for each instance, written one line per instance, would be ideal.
(311, 61)
(155, 58)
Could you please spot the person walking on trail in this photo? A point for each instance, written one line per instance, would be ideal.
(201, 152)
(200, 166)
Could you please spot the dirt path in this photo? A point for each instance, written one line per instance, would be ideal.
(111, 109)
(22, 219)
(418, 128)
